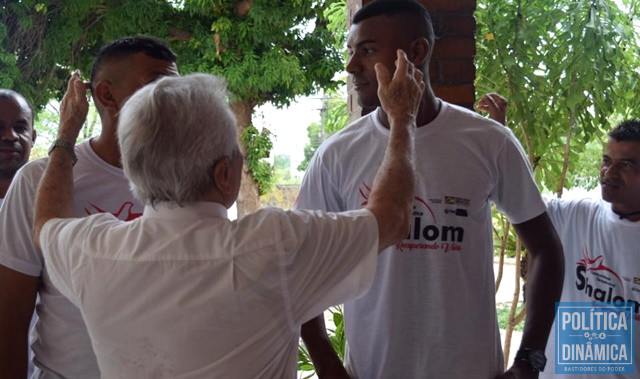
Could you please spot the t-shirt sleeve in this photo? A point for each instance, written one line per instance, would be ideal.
(516, 193)
(17, 251)
(330, 258)
(555, 211)
(318, 190)
(63, 243)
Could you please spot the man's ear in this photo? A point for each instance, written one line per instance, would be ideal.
(222, 175)
(104, 96)
(419, 52)
(34, 134)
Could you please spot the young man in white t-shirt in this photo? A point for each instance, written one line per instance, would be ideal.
(17, 136)
(59, 340)
(183, 292)
(431, 310)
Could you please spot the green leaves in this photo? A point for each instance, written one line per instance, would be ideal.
(258, 146)
(563, 64)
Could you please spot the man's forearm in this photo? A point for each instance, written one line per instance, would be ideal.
(545, 277)
(544, 288)
(393, 187)
(54, 197)
(324, 357)
(17, 300)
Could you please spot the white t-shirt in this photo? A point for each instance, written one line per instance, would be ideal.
(59, 341)
(431, 310)
(602, 262)
(186, 293)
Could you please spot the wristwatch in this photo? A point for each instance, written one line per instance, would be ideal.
(534, 358)
(67, 146)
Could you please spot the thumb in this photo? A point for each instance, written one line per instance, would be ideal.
(382, 75)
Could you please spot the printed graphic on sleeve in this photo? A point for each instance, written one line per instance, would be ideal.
(125, 212)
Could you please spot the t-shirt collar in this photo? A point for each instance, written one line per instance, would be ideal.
(429, 128)
(196, 211)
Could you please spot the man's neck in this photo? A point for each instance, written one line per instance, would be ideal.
(106, 147)
(429, 109)
(630, 215)
(4, 186)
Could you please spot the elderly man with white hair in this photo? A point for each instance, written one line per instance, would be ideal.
(183, 292)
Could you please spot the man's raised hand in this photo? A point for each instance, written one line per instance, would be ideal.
(400, 96)
(74, 108)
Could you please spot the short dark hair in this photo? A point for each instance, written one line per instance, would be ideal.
(398, 7)
(6, 93)
(128, 46)
(628, 130)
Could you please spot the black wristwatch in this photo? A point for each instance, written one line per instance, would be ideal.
(534, 358)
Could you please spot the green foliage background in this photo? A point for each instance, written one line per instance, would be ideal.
(273, 52)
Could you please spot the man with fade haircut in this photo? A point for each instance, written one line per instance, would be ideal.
(431, 311)
(183, 292)
(59, 340)
(17, 136)
(601, 239)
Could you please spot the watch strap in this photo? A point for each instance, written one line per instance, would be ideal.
(67, 146)
(534, 358)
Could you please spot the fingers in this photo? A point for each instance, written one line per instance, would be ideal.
(419, 76)
(382, 75)
(402, 64)
(73, 108)
(493, 102)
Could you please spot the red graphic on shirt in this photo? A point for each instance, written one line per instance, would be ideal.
(595, 264)
(128, 207)
(367, 191)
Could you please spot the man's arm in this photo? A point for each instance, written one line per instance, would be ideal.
(391, 195)
(544, 286)
(54, 198)
(17, 299)
(393, 187)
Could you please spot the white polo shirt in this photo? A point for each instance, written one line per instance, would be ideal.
(186, 293)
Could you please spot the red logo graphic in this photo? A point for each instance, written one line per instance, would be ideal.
(595, 264)
(367, 191)
(128, 207)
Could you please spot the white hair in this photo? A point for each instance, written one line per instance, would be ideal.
(171, 133)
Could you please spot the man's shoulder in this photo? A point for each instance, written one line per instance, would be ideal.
(572, 208)
(33, 169)
(349, 135)
(472, 118)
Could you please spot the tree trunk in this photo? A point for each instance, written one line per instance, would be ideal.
(566, 156)
(506, 225)
(248, 197)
